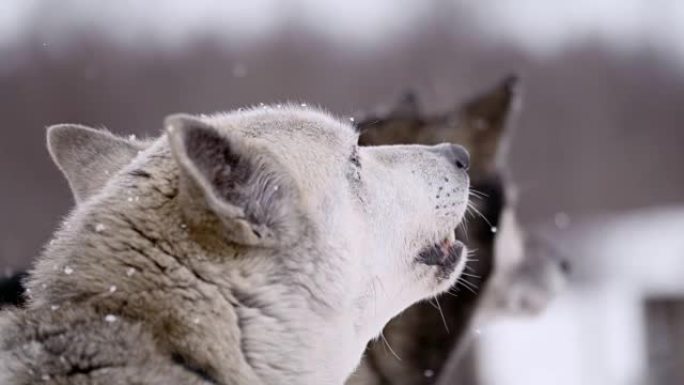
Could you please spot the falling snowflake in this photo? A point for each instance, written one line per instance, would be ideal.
(100, 227)
(110, 318)
(68, 270)
(562, 220)
(130, 272)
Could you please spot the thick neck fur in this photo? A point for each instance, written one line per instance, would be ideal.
(128, 251)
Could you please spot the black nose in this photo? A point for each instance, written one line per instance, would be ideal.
(458, 156)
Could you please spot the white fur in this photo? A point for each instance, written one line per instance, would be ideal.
(362, 229)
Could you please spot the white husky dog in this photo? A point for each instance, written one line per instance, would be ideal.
(257, 246)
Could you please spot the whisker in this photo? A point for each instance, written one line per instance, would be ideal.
(389, 347)
(483, 217)
(476, 192)
(464, 223)
(475, 196)
(466, 281)
(441, 314)
(469, 206)
(469, 289)
(468, 285)
(472, 288)
(454, 290)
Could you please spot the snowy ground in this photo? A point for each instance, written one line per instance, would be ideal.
(595, 333)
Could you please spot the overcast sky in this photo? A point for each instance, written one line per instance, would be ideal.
(541, 26)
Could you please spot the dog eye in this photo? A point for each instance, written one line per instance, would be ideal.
(354, 170)
(354, 158)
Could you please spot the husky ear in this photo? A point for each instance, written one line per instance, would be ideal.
(490, 110)
(87, 157)
(485, 119)
(234, 181)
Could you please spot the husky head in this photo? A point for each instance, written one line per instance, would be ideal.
(525, 272)
(479, 124)
(313, 241)
(507, 276)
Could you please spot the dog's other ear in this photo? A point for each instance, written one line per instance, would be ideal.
(485, 118)
(87, 157)
(224, 177)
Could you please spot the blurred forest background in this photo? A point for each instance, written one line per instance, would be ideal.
(599, 130)
(600, 127)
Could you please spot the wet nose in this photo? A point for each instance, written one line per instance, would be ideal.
(458, 155)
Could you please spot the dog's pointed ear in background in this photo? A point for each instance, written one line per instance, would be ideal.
(230, 184)
(485, 118)
(87, 157)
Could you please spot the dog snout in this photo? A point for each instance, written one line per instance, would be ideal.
(457, 155)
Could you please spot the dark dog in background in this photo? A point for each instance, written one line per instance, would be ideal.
(508, 275)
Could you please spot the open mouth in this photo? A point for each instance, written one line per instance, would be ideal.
(446, 254)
